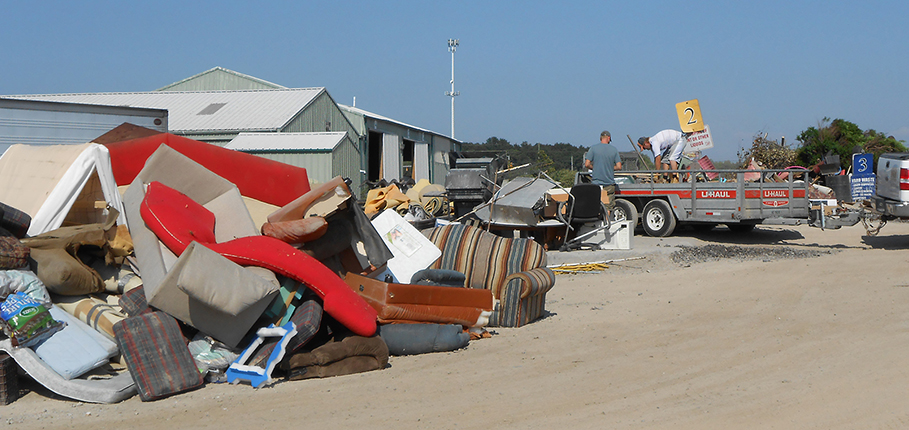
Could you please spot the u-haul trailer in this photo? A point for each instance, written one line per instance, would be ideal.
(739, 204)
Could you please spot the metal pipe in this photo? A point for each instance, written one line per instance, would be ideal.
(452, 47)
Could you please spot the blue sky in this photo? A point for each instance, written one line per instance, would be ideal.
(530, 71)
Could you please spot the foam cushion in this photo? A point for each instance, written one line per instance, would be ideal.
(76, 349)
(198, 283)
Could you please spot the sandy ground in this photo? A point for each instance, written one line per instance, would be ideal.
(815, 343)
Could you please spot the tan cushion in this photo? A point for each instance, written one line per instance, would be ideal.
(198, 283)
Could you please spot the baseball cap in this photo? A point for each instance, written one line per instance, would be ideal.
(605, 133)
(641, 140)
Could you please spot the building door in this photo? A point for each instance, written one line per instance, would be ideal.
(421, 161)
(391, 156)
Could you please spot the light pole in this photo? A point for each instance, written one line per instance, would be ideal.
(452, 47)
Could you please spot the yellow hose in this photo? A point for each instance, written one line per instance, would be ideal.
(580, 268)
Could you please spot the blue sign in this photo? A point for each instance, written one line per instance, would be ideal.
(862, 165)
(862, 187)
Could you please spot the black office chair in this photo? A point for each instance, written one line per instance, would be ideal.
(583, 206)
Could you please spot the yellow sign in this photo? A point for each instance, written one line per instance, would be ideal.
(690, 116)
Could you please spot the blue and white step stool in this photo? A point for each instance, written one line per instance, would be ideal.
(255, 375)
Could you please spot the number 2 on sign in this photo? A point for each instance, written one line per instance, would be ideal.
(690, 113)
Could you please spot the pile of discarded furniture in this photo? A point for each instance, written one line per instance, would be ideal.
(153, 265)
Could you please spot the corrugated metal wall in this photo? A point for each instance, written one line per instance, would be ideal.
(49, 123)
(359, 124)
(318, 165)
(358, 121)
(321, 166)
(321, 115)
(345, 161)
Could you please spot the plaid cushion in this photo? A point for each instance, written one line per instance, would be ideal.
(13, 254)
(156, 355)
(307, 318)
(134, 303)
(14, 220)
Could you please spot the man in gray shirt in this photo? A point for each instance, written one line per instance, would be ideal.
(603, 160)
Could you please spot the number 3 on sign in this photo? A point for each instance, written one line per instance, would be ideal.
(690, 116)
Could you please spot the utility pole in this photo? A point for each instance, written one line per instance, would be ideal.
(452, 47)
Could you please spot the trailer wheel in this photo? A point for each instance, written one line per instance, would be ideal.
(625, 211)
(658, 219)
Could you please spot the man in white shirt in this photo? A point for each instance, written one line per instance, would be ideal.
(667, 147)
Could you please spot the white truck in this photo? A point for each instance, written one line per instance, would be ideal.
(892, 187)
(890, 202)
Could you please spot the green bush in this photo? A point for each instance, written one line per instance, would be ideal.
(843, 138)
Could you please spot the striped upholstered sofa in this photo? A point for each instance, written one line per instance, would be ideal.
(514, 269)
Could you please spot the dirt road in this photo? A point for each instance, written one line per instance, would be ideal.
(761, 342)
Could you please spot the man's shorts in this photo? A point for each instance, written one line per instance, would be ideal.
(610, 191)
(674, 152)
(664, 156)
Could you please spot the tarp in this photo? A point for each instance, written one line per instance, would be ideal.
(57, 183)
